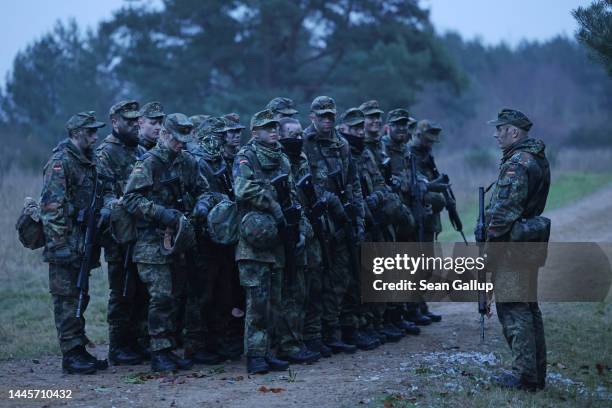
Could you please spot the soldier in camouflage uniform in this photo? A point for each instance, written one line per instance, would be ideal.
(260, 252)
(115, 157)
(398, 127)
(209, 301)
(197, 120)
(520, 192)
(425, 135)
(376, 196)
(282, 108)
(150, 123)
(232, 138)
(301, 294)
(165, 184)
(69, 179)
(328, 152)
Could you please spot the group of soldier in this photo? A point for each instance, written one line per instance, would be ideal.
(232, 249)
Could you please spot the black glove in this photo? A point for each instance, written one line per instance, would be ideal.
(167, 216)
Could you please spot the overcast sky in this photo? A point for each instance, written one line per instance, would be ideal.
(490, 20)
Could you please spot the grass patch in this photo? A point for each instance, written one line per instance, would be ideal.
(564, 189)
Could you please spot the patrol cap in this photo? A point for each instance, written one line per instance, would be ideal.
(282, 105)
(399, 114)
(85, 120)
(512, 117)
(370, 107)
(127, 109)
(352, 117)
(198, 119)
(232, 121)
(322, 105)
(179, 126)
(152, 110)
(210, 126)
(262, 118)
(429, 130)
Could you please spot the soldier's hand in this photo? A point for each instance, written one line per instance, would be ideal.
(200, 212)
(374, 200)
(167, 216)
(277, 214)
(300, 244)
(105, 213)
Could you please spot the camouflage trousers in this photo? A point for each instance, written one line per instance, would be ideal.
(292, 313)
(523, 329)
(126, 315)
(209, 303)
(340, 295)
(62, 286)
(314, 309)
(158, 280)
(262, 284)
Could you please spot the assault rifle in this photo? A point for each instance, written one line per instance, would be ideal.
(87, 216)
(350, 222)
(480, 236)
(290, 231)
(417, 204)
(315, 211)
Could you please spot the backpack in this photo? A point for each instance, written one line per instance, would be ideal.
(29, 226)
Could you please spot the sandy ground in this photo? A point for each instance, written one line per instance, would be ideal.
(344, 380)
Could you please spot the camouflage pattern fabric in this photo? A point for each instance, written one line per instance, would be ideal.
(68, 183)
(327, 153)
(262, 283)
(521, 191)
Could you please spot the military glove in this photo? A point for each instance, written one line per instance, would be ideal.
(277, 213)
(200, 212)
(299, 245)
(167, 216)
(334, 206)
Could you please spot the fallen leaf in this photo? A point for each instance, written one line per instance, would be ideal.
(274, 390)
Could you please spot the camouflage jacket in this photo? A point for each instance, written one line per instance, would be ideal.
(521, 188)
(377, 148)
(115, 160)
(68, 185)
(328, 154)
(159, 179)
(299, 169)
(255, 192)
(214, 169)
(426, 168)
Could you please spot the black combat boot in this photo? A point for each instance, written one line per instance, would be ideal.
(275, 363)
(376, 334)
(202, 356)
(407, 326)
(415, 316)
(392, 333)
(512, 381)
(181, 363)
(432, 316)
(145, 352)
(317, 346)
(351, 335)
(100, 364)
(162, 361)
(338, 346)
(124, 356)
(303, 356)
(77, 361)
(257, 365)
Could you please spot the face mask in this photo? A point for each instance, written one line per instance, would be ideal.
(292, 146)
(356, 142)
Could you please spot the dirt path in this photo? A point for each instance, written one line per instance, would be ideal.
(344, 380)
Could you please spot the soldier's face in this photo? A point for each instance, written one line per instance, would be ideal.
(291, 131)
(505, 135)
(373, 123)
(85, 140)
(126, 127)
(398, 131)
(356, 130)
(324, 122)
(150, 128)
(175, 145)
(266, 134)
(232, 138)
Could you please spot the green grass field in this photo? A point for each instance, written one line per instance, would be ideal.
(566, 188)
